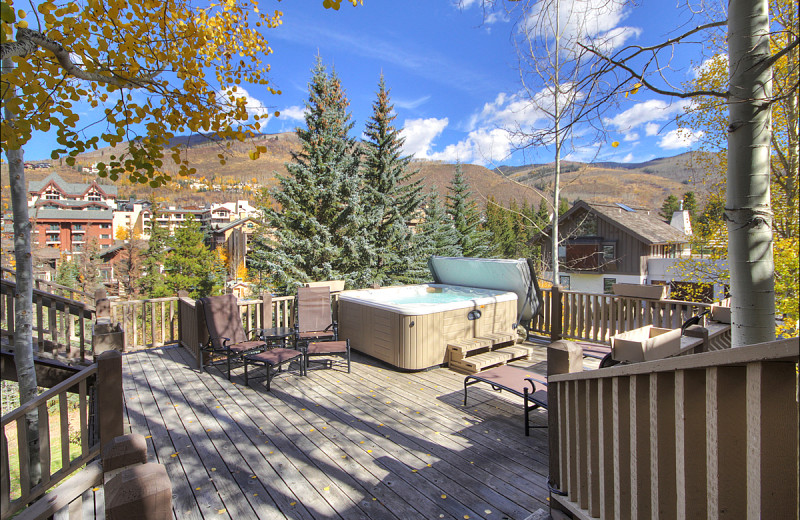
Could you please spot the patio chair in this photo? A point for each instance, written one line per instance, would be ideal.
(314, 319)
(227, 337)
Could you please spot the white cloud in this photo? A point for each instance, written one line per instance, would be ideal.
(680, 138)
(628, 158)
(632, 136)
(481, 146)
(419, 135)
(578, 20)
(294, 113)
(645, 112)
(651, 129)
(410, 104)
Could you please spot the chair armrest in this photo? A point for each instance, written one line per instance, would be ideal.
(223, 338)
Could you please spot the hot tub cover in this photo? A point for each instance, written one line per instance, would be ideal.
(516, 276)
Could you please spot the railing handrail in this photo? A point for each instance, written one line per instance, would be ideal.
(67, 302)
(38, 281)
(781, 350)
(645, 300)
(63, 386)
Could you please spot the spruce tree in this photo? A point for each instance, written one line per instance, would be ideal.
(318, 226)
(152, 282)
(390, 200)
(191, 266)
(436, 233)
(473, 241)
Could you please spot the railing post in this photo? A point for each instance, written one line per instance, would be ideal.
(266, 310)
(555, 313)
(562, 357)
(109, 395)
(101, 304)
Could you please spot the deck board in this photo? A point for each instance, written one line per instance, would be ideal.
(376, 443)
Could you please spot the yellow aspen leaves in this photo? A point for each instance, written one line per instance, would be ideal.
(178, 54)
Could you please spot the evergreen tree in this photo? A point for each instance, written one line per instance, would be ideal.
(152, 282)
(436, 233)
(690, 204)
(501, 226)
(318, 228)
(473, 241)
(191, 266)
(390, 200)
(670, 206)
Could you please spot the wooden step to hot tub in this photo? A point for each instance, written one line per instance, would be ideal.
(517, 351)
(478, 362)
(458, 350)
(499, 338)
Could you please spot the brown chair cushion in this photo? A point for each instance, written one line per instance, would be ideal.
(274, 356)
(317, 334)
(223, 319)
(245, 346)
(313, 308)
(327, 347)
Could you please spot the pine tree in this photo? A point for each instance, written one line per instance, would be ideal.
(390, 200)
(152, 282)
(191, 266)
(436, 232)
(500, 225)
(473, 241)
(318, 228)
(670, 206)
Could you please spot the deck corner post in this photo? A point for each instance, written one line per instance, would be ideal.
(140, 491)
(555, 313)
(266, 310)
(109, 395)
(562, 357)
(101, 304)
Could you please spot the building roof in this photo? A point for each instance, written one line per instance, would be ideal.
(70, 188)
(230, 225)
(640, 222)
(72, 214)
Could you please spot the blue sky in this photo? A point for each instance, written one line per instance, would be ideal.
(453, 77)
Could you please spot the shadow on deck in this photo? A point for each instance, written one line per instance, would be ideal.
(371, 444)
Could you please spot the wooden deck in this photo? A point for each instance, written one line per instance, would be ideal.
(373, 444)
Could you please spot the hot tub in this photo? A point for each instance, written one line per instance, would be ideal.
(409, 327)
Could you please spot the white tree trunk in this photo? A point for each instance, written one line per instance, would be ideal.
(748, 211)
(23, 299)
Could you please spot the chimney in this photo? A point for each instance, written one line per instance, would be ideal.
(681, 221)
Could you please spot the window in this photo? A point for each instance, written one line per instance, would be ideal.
(105, 226)
(563, 281)
(95, 196)
(562, 252)
(608, 284)
(53, 238)
(77, 227)
(609, 253)
(53, 227)
(105, 237)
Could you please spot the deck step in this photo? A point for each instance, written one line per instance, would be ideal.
(458, 350)
(517, 351)
(478, 362)
(499, 338)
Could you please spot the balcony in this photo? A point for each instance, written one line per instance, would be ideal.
(683, 436)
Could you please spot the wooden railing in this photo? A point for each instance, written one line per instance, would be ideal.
(597, 317)
(707, 435)
(98, 389)
(191, 326)
(51, 287)
(61, 326)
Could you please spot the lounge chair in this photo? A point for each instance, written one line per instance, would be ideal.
(227, 337)
(314, 319)
(518, 381)
(271, 360)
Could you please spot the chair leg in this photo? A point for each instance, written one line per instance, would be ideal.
(245, 372)
(348, 356)
(269, 376)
